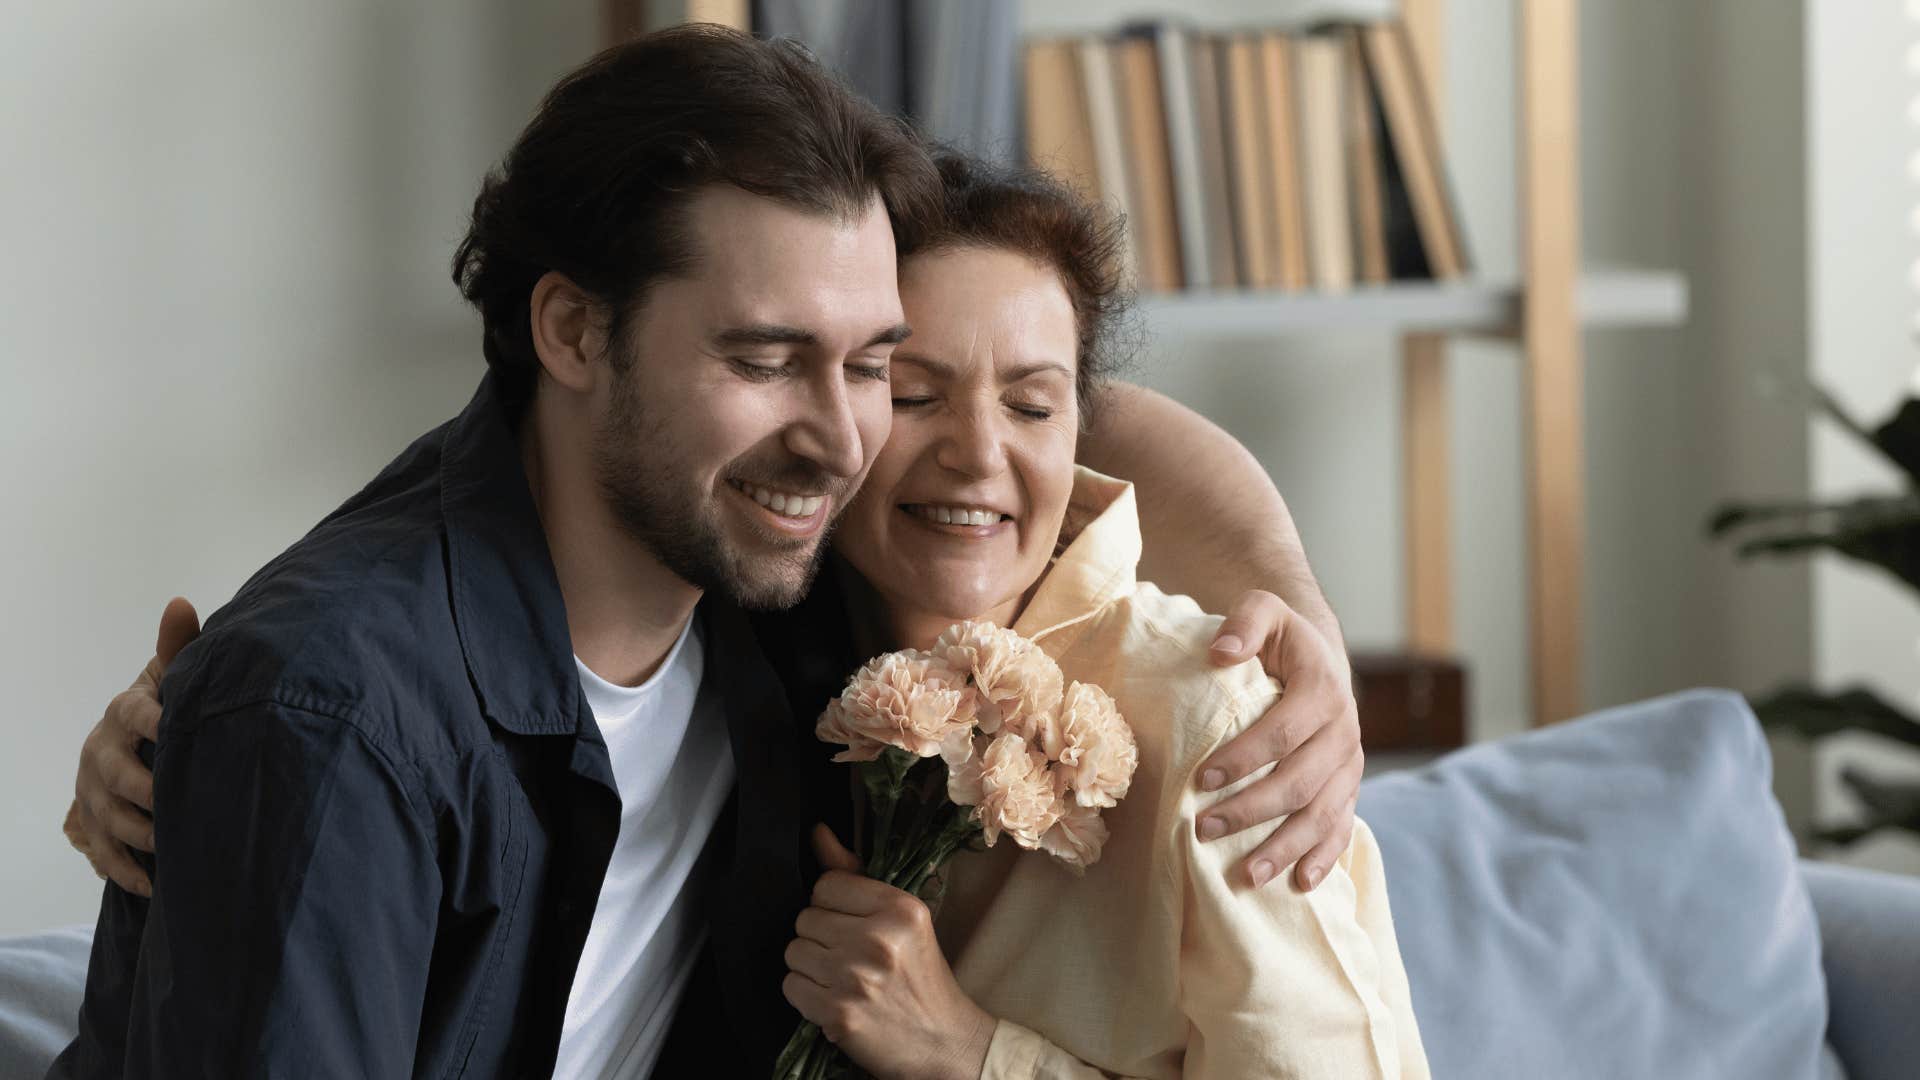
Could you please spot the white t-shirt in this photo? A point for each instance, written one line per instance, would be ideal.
(648, 926)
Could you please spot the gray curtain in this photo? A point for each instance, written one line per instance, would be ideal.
(949, 65)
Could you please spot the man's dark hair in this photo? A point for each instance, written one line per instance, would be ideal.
(596, 187)
(1023, 210)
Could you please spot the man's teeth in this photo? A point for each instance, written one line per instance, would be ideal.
(799, 506)
(955, 515)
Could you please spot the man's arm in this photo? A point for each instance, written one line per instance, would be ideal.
(291, 927)
(1216, 529)
(1213, 521)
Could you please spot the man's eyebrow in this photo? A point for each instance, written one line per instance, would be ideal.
(777, 334)
(766, 334)
(892, 335)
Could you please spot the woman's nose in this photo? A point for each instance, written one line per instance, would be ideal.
(828, 433)
(974, 443)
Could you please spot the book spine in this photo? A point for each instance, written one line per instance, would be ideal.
(1183, 144)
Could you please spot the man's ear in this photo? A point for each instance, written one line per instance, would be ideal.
(567, 332)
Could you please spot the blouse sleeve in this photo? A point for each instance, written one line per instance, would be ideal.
(1273, 983)
(1018, 1053)
(1279, 983)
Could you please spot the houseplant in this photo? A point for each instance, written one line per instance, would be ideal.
(1880, 530)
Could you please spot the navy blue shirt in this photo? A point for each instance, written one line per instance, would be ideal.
(384, 811)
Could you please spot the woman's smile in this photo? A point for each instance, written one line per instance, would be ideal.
(968, 521)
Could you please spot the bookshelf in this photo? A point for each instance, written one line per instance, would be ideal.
(1545, 311)
(1609, 298)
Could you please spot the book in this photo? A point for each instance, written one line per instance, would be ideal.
(1288, 222)
(1248, 172)
(1216, 199)
(1154, 227)
(1174, 49)
(1059, 129)
(1363, 157)
(1103, 119)
(1416, 146)
(1103, 125)
(1320, 93)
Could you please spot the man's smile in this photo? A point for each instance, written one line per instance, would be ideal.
(794, 514)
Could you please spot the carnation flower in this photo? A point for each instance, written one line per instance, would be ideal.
(1023, 756)
(1016, 794)
(1097, 751)
(965, 757)
(1076, 839)
(1017, 683)
(910, 699)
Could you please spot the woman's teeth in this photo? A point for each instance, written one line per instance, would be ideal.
(954, 515)
(796, 506)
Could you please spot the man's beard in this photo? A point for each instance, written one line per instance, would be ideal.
(652, 501)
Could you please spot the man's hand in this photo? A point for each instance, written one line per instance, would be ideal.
(113, 790)
(867, 969)
(1313, 732)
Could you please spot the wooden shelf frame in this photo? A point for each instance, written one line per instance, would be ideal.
(1602, 298)
(1545, 312)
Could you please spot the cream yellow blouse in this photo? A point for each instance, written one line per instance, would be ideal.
(1152, 964)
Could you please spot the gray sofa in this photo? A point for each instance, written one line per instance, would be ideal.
(1614, 897)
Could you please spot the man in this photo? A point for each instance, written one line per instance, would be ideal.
(405, 830)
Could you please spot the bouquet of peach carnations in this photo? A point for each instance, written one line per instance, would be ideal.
(976, 737)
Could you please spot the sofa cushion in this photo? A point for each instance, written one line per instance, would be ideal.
(1613, 896)
(41, 980)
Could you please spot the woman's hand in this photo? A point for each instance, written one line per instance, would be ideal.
(867, 969)
(1313, 732)
(113, 789)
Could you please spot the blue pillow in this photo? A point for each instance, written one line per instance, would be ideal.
(41, 981)
(1617, 896)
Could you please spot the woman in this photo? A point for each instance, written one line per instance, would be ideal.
(1150, 965)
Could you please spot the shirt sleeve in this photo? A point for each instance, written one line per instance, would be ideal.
(1279, 983)
(292, 921)
(1018, 1053)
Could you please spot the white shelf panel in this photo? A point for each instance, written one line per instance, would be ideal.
(1606, 298)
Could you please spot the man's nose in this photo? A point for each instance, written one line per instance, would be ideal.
(829, 433)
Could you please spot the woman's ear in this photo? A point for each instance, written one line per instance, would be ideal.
(567, 332)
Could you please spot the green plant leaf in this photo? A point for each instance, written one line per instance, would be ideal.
(1880, 530)
(1899, 438)
(1803, 709)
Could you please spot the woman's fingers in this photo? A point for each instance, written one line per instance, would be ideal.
(109, 860)
(127, 779)
(123, 823)
(812, 959)
(135, 711)
(179, 625)
(828, 928)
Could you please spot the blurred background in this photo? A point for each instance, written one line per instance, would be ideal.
(225, 229)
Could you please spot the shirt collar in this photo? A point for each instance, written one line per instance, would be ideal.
(1099, 556)
(506, 598)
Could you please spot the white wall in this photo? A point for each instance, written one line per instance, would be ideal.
(1864, 303)
(224, 302)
